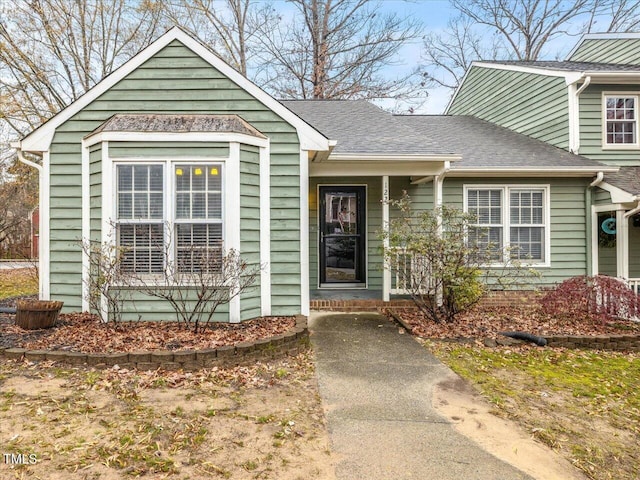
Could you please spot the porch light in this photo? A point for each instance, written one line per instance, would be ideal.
(179, 172)
(214, 171)
(197, 171)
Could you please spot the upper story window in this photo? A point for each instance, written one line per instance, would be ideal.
(621, 120)
(513, 217)
(175, 217)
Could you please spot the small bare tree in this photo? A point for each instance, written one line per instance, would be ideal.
(105, 286)
(440, 258)
(196, 280)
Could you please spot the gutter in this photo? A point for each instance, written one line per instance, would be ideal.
(633, 211)
(598, 180)
(25, 161)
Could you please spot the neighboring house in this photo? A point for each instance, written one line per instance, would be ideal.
(589, 105)
(177, 141)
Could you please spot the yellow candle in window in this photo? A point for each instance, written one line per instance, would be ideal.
(178, 171)
(198, 171)
(214, 171)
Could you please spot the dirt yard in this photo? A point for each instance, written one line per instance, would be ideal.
(257, 422)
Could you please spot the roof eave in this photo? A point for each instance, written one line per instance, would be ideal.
(586, 171)
(407, 157)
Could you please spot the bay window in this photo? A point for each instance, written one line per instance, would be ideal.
(169, 212)
(512, 222)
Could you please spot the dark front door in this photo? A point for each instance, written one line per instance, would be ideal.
(342, 235)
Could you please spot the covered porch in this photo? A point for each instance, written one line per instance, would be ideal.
(615, 232)
(347, 216)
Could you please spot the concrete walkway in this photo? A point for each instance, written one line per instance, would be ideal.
(376, 386)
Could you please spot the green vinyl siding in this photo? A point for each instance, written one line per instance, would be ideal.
(168, 150)
(175, 80)
(591, 127)
(621, 51)
(531, 104)
(568, 221)
(250, 225)
(601, 197)
(95, 192)
(137, 306)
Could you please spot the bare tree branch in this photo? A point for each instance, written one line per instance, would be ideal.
(336, 49)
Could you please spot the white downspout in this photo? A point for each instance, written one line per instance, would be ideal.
(574, 113)
(592, 227)
(41, 250)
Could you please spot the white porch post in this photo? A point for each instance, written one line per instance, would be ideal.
(386, 275)
(86, 226)
(265, 230)
(232, 212)
(305, 306)
(595, 253)
(437, 203)
(622, 245)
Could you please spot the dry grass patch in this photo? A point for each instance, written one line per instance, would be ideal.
(585, 404)
(18, 282)
(239, 423)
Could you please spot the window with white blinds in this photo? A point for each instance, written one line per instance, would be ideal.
(513, 217)
(145, 224)
(198, 222)
(140, 217)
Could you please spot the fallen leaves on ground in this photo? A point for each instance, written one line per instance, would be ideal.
(81, 332)
(487, 322)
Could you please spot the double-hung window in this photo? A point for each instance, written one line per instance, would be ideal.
(140, 217)
(174, 217)
(198, 219)
(621, 120)
(511, 221)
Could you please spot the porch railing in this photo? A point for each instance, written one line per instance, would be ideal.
(634, 284)
(409, 273)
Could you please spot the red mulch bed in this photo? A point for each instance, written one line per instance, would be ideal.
(487, 322)
(82, 332)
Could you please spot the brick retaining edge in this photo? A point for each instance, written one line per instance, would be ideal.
(625, 343)
(289, 343)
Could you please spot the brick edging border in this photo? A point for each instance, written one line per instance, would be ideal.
(290, 343)
(627, 343)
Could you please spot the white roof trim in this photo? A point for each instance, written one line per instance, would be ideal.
(455, 94)
(222, 137)
(40, 139)
(535, 172)
(618, 195)
(390, 157)
(601, 36)
(524, 69)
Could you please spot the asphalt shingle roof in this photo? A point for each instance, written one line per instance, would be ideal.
(485, 145)
(627, 179)
(361, 127)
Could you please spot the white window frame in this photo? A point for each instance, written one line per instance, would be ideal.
(636, 120)
(169, 219)
(506, 218)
